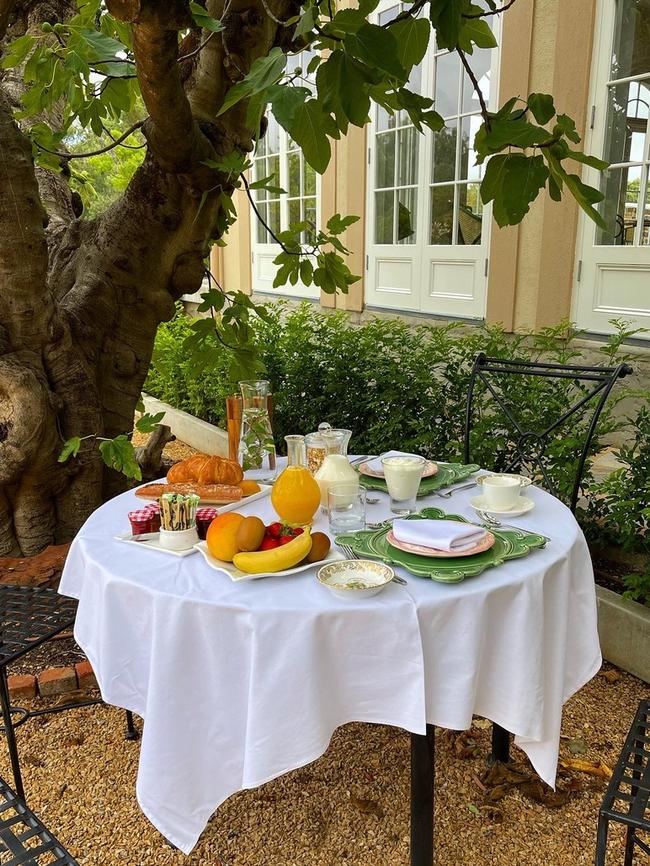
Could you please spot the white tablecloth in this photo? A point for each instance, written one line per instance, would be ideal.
(239, 683)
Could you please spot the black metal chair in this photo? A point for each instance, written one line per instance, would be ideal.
(525, 446)
(29, 616)
(628, 791)
(24, 840)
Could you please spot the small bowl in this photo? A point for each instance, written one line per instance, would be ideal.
(355, 578)
(178, 539)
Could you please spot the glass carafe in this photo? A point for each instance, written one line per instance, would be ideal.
(256, 446)
(296, 495)
(342, 437)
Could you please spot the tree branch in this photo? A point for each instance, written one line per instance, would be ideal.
(486, 14)
(197, 49)
(115, 142)
(264, 222)
(407, 13)
(479, 92)
(5, 10)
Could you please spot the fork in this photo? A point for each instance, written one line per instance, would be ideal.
(351, 554)
(448, 493)
(493, 523)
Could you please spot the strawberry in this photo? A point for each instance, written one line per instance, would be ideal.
(269, 543)
(297, 530)
(285, 539)
(274, 530)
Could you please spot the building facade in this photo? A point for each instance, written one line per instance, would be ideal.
(424, 244)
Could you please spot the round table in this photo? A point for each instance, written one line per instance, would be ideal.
(238, 683)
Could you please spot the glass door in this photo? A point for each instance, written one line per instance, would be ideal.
(427, 236)
(613, 273)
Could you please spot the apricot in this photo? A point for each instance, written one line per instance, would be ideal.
(320, 546)
(248, 488)
(250, 533)
(222, 535)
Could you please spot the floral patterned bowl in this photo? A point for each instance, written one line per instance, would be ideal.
(355, 578)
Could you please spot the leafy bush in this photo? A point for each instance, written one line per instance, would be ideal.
(392, 384)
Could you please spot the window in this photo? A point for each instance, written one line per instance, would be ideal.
(626, 186)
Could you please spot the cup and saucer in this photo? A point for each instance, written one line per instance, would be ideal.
(502, 495)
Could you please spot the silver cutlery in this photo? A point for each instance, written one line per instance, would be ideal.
(493, 523)
(451, 492)
(144, 536)
(347, 551)
(360, 459)
(372, 500)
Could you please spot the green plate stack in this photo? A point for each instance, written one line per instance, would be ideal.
(447, 474)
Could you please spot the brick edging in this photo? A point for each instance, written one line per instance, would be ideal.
(52, 682)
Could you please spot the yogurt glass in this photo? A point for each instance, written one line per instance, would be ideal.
(403, 475)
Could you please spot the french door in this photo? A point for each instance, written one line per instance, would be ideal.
(613, 272)
(427, 230)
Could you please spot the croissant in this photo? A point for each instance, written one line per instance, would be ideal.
(205, 470)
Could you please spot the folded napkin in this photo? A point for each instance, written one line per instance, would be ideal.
(439, 534)
(375, 465)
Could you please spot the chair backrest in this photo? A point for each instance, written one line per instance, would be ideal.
(585, 390)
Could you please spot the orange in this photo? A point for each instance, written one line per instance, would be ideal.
(222, 535)
(248, 488)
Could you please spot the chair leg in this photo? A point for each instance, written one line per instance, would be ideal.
(10, 734)
(500, 745)
(422, 797)
(131, 730)
(601, 841)
(629, 847)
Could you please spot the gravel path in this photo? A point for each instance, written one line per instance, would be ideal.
(350, 808)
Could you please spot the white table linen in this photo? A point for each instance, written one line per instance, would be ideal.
(439, 534)
(240, 683)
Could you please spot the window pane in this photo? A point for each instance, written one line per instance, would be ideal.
(384, 214)
(262, 237)
(444, 153)
(274, 216)
(385, 167)
(294, 211)
(388, 14)
(645, 238)
(627, 121)
(309, 179)
(294, 173)
(406, 215)
(414, 84)
(631, 54)
(309, 213)
(480, 61)
(619, 208)
(273, 168)
(272, 137)
(447, 72)
(468, 167)
(407, 149)
(470, 211)
(442, 214)
(384, 119)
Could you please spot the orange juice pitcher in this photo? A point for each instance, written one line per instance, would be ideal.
(296, 495)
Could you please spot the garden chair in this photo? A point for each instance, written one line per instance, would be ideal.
(29, 616)
(628, 791)
(525, 446)
(24, 840)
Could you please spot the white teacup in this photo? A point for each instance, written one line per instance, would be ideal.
(501, 491)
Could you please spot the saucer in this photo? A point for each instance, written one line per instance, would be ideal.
(523, 506)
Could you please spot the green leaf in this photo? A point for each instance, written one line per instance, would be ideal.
(585, 158)
(265, 71)
(147, 423)
(447, 18)
(377, 47)
(17, 51)
(307, 21)
(337, 224)
(307, 131)
(512, 181)
(567, 126)
(476, 31)
(507, 129)
(587, 197)
(285, 100)
(412, 37)
(264, 183)
(100, 46)
(119, 454)
(202, 18)
(347, 21)
(541, 104)
(70, 449)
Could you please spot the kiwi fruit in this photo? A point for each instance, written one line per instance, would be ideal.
(320, 545)
(250, 534)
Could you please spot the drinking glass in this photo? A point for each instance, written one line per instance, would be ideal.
(347, 507)
(403, 475)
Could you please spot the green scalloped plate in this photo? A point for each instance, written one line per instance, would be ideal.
(447, 474)
(509, 544)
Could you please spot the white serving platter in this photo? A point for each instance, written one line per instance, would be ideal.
(238, 576)
(151, 541)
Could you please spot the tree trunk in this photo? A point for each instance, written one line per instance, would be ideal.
(80, 300)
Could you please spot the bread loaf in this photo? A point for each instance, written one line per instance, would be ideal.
(205, 470)
(207, 492)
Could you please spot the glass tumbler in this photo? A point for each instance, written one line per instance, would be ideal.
(346, 507)
(403, 475)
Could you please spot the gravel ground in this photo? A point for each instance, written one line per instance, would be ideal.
(350, 808)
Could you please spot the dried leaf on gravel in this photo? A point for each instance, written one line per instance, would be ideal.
(504, 774)
(577, 746)
(492, 813)
(539, 792)
(611, 676)
(367, 807)
(592, 768)
(497, 793)
(482, 724)
(465, 746)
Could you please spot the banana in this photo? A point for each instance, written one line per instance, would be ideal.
(277, 559)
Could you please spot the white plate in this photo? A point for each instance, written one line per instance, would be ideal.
(523, 506)
(153, 543)
(430, 468)
(239, 576)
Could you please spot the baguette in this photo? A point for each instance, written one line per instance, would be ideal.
(207, 492)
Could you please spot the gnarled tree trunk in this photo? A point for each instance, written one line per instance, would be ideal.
(81, 299)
